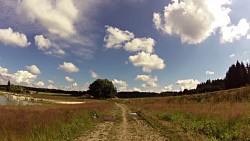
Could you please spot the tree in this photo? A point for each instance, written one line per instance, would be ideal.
(16, 89)
(237, 76)
(102, 88)
(8, 86)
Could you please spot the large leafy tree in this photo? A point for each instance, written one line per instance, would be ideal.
(102, 88)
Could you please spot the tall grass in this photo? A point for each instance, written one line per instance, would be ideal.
(223, 115)
(57, 122)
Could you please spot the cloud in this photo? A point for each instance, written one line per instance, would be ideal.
(209, 73)
(248, 36)
(58, 17)
(20, 77)
(85, 86)
(136, 89)
(68, 67)
(147, 61)
(94, 75)
(68, 79)
(3, 70)
(33, 69)
(47, 46)
(52, 87)
(39, 84)
(188, 84)
(232, 55)
(140, 44)
(51, 81)
(9, 37)
(167, 88)
(42, 43)
(24, 77)
(120, 83)
(194, 21)
(142, 77)
(232, 33)
(150, 81)
(115, 37)
(74, 85)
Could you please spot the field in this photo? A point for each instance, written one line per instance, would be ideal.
(49, 122)
(223, 115)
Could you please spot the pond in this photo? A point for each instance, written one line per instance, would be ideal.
(10, 101)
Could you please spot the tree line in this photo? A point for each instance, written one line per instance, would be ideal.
(238, 75)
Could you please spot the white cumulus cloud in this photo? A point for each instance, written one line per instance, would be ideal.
(51, 87)
(33, 69)
(210, 73)
(9, 37)
(232, 55)
(20, 77)
(150, 81)
(3, 70)
(23, 77)
(68, 79)
(115, 37)
(147, 61)
(41, 42)
(120, 83)
(39, 84)
(232, 33)
(188, 84)
(47, 46)
(58, 17)
(167, 88)
(94, 74)
(140, 44)
(68, 67)
(136, 89)
(51, 81)
(195, 20)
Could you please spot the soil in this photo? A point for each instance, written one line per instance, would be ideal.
(129, 127)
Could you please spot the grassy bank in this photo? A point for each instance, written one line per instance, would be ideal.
(223, 115)
(50, 123)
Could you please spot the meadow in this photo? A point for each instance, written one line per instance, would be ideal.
(50, 122)
(223, 115)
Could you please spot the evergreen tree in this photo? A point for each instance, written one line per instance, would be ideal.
(8, 86)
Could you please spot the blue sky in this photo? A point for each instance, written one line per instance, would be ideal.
(144, 45)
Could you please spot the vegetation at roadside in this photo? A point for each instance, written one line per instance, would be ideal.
(223, 115)
(46, 122)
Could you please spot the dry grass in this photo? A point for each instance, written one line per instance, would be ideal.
(60, 122)
(56, 97)
(223, 115)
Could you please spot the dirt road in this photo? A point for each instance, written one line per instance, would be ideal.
(129, 127)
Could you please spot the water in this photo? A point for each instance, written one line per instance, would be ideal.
(10, 101)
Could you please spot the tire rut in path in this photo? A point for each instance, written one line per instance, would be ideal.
(131, 128)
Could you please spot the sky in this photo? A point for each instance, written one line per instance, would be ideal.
(139, 45)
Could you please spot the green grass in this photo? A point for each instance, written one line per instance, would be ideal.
(49, 123)
(223, 115)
